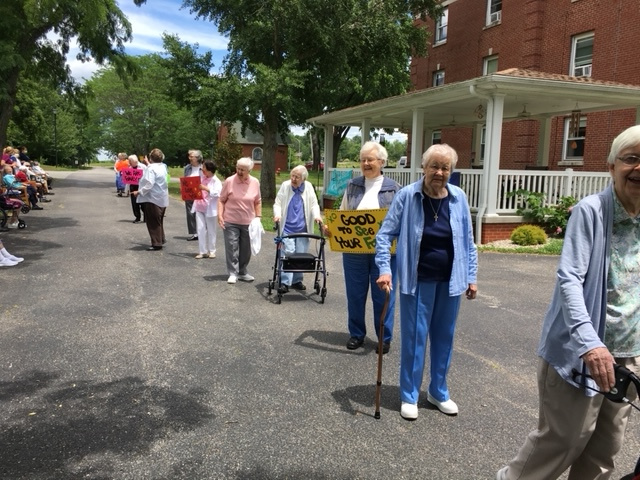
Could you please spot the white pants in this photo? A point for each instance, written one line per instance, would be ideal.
(206, 228)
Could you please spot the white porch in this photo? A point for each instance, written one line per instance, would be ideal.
(491, 101)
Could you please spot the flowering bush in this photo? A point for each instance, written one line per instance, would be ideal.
(552, 217)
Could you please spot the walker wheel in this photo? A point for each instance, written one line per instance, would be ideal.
(21, 224)
(25, 209)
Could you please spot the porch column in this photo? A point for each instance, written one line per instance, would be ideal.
(544, 141)
(638, 115)
(417, 145)
(365, 131)
(328, 154)
(492, 153)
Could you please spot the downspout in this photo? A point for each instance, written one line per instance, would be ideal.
(482, 207)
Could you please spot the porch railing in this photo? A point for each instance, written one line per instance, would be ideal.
(554, 185)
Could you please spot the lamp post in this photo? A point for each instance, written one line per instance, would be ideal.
(55, 135)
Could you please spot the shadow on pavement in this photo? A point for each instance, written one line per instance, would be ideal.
(56, 425)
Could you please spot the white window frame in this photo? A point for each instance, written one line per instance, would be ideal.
(483, 142)
(494, 11)
(581, 67)
(568, 159)
(256, 155)
(436, 137)
(438, 78)
(488, 61)
(441, 27)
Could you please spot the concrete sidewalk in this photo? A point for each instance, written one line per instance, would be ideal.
(118, 363)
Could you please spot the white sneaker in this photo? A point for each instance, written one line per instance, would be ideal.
(409, 411)
(6, 262)
(448, 407)
(246, 278)
(15, 259)
(501, 473)
(212, 255)
(232, 279)
(12, 225)
(200, 255)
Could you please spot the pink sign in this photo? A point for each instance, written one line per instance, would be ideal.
(131, 176)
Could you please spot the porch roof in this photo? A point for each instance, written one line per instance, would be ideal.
(527, 94)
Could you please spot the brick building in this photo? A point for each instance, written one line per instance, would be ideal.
(515, 85)
(581, 38)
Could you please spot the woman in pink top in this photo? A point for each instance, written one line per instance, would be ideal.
(239, 203)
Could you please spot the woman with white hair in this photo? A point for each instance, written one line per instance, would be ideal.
(437, 263)
(240, 202)
(372, 190)
(296, 206)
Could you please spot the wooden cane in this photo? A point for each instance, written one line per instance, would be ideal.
(380, 343)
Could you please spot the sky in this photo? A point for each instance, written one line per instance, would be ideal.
(156, 17)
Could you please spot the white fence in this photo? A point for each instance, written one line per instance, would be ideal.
(554, 184)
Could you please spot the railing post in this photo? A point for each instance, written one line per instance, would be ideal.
(569, 182)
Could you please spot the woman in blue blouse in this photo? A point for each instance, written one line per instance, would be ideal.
(436, 263)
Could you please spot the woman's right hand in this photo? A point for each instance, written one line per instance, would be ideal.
(384, 281)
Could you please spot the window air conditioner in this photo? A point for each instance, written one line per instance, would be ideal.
(495, 16)
(582, 71)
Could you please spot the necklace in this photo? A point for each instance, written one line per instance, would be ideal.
(434, 210)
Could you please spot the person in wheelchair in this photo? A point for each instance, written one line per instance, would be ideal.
(297, 204)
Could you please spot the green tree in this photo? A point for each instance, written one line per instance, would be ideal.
(141, 115)
(292, 59)
(99, 28)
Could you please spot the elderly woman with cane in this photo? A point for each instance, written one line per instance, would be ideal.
(437, 263)
(593, 322)
(297, 203)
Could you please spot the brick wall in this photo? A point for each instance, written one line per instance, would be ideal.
(536, 35)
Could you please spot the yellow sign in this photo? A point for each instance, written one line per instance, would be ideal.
(354, 231)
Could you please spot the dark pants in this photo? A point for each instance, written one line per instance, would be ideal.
(135, 206)
(33, 195)
(154, 217)
(191, 218)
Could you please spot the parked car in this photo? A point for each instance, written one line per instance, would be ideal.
(402, 163)
(309, 166)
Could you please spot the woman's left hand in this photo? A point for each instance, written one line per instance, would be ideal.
(472, 291)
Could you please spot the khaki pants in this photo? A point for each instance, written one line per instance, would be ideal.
(574, 431)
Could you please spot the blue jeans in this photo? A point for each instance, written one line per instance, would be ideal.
(432, 313)
(360, 273)
(289, 246)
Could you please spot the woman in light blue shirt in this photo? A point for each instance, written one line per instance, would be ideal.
(437, 262)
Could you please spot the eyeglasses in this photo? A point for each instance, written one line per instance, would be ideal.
(435, 168)
(630, 160)
(369, 160)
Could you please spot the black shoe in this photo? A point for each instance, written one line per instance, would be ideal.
(385, 348)
(354, 343)
(151, 248)
(192, 238)
(137, 220)
(283, 289)
(119, 194)
(45, 200)
(36, 207)
(298, 286)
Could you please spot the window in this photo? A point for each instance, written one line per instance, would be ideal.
(441, 26)
(494, 11)
(483, 141)
(436, 137)
(581, 55)
(574, 141)
(438, 78)
(490, 65)
(256, 155)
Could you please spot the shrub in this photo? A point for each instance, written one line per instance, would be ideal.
(529, 235)
(552, 217)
